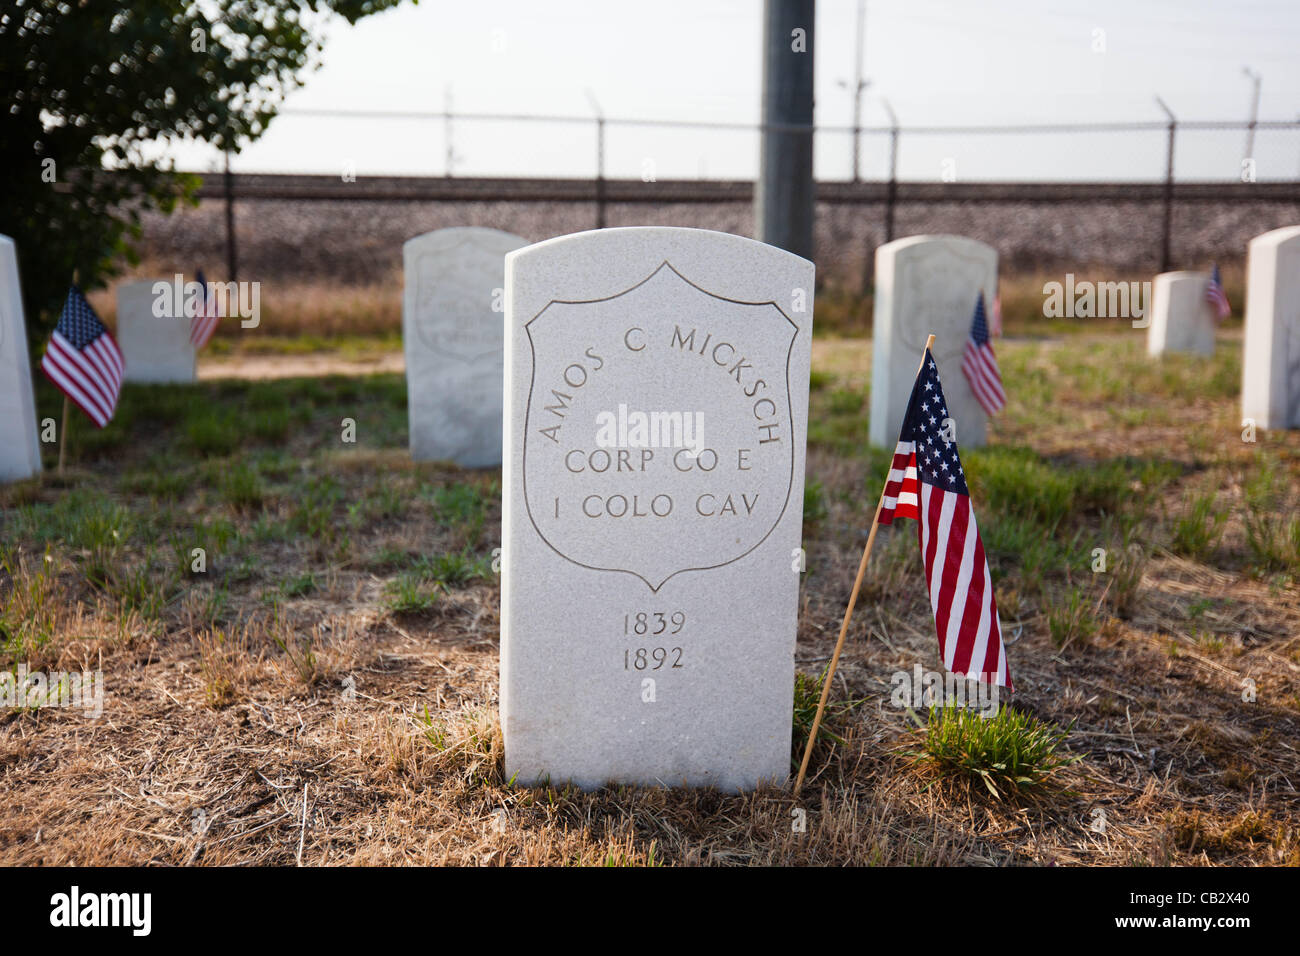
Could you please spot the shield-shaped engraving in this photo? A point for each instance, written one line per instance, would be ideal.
(709, 478)
(454, 315)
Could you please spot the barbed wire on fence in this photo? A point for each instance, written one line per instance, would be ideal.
(1156, 162)
(1132, 151)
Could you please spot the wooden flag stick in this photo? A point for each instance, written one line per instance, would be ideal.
(63, 433)
(848, 614)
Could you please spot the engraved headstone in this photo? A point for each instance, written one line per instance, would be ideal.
(1182, 320)
(453, 332)
(1270, 393)
(20, 448)
(656, 418)
(924, 285)
(154, 333)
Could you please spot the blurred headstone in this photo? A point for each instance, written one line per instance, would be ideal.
(153, 333)
(20, 447)
(1182, 319)
(924, 285)
(453, 335)
(1270, 393)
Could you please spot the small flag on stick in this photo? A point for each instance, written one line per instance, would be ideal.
(980, 365)
(83, 360)
(926, 482)
(996, 325)
(205, 323)
(1215, 295)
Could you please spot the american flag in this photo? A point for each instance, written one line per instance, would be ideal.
(926, 482)
(205, 323)
(1215, 295)
(980, 365)
(83, 360)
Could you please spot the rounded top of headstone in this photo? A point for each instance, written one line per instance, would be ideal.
(137, 284)
(909, 241)
(5, 240)
(742, 245)
(1276, 237)
(453, 236)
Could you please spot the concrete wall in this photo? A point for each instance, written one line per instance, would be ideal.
(308, 227)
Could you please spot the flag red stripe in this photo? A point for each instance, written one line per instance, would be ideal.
(972, 602)
(952, 596)
(107, 346)
(981, 371)
(98, 362)
(937, 540)
(80, 377)
(92, 377)
(900, 497)
(994, 653)
(977, 387)
(71, 387)
(989, 369)
(988, 637)
(986, 364)
(76, 370)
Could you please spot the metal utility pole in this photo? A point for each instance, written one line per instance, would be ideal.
(1256, 79)
(1166, 241)
(784, 202)
(232, 256)
(859, 85)
(891, 196)
(600, 159)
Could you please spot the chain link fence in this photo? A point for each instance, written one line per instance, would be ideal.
(1145, 195)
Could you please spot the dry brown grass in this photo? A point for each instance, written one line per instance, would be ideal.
(310, 311)
(309, 723)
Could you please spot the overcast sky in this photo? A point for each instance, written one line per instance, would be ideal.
(938, 62)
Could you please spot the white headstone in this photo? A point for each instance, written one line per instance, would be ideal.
(20, 447)
(1182, 320)
(155, 348)
(649, 594)
(453, 330)
(924, 285)
(1270, 392)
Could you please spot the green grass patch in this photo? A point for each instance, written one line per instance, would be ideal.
(453, 568)
(807, 695)
(1272, 525)
(1009, 753)
(1196, 532)
(409, 594)
(1072, 619)
(241, 488)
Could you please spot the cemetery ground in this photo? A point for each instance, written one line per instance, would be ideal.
(325, 690)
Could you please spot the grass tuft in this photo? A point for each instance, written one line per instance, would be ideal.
(1009, 753)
